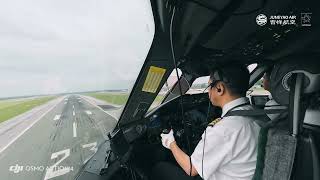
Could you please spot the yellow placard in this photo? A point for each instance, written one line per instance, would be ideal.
(153, 79)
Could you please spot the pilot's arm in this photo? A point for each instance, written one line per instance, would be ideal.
(181, 157)
(216, 153)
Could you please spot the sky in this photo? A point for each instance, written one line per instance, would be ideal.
(55, 46)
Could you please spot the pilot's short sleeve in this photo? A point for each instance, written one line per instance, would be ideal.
(217, 151)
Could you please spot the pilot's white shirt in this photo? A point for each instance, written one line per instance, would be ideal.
(230, 147)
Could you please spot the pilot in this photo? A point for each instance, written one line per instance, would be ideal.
(228, 148)
(266, 80)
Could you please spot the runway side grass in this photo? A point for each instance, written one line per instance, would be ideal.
(13, 107)
(113, 98)
(120, 98)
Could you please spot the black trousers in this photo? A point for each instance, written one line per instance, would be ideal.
(169, 171)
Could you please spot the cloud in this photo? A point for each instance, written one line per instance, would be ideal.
(53, 46)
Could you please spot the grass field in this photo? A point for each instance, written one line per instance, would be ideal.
(118, 98)
(113, 98)
(13, 107)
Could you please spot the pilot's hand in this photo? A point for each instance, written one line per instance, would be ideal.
(167, 139)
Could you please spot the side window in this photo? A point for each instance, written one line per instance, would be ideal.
(251, 67)
(199, 85)
(258, 95)
(172, 79)
(257, 88)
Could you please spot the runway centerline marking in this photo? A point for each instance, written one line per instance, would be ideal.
(73, 107)
(89, 112)
(74, 129)
(57, 117)
(73, 113)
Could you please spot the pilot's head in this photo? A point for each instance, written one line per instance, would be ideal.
(266, 80)
(227, 84)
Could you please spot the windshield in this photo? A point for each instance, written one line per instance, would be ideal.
(66, 70)
(171, 81)
(199, 86)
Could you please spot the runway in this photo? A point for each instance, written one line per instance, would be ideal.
(53, 141)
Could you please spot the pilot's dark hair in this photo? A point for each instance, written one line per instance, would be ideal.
(236, 78)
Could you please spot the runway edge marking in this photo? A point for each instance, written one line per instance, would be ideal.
(25, 130)
(100, 109)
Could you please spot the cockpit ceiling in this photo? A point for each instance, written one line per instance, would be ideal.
(227, 34)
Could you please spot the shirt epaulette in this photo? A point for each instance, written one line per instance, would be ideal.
(214, 122)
